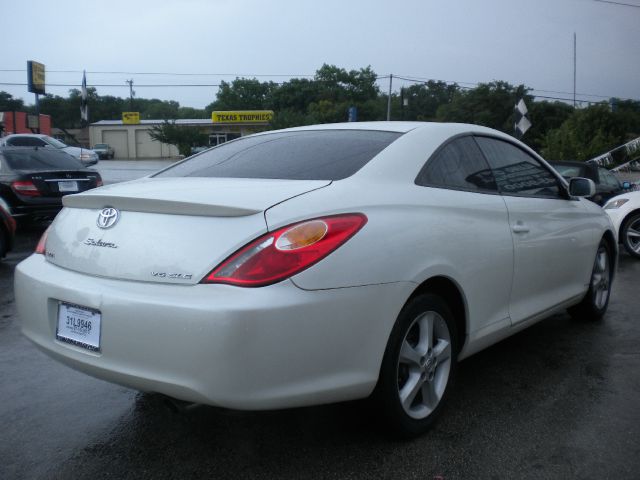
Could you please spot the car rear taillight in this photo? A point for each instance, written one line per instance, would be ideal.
(286, 252)
(42, 243)
(26, 188)
(99, 182)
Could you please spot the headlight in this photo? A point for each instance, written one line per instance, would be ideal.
(616, 203)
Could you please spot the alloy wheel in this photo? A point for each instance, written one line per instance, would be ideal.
(424, 365)
(600, 278)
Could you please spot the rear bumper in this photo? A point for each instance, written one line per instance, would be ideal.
(36, 213)
(263, 348)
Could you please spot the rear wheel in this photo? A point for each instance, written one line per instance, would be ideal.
(594, 304)
(418, 366)
(4, 243)
(630, 235)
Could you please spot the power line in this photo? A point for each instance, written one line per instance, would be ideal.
(181, 74)
(618, 3)
(450, 82)
(119, 85)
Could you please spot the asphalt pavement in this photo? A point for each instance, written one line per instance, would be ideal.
(114, 171)
(559, 400)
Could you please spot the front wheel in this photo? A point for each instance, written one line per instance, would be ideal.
(594, 304)
(630, 235)
(418, 367)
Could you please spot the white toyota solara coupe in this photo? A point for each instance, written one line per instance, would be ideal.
(315, 265)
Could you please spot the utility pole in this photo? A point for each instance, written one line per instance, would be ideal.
(389, 99)
(574, 69)
(131, 93)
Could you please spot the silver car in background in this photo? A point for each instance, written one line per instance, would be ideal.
(85, 155)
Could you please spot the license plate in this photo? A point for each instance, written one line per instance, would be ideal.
(79, 326)
(70, 186)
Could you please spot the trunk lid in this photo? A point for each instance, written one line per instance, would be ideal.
(57, 183)
(168, 230)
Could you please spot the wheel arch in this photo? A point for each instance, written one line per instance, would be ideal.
(624, 222)
(613, 245)
(452, 294)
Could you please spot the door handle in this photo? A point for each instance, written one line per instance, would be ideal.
(520, 227)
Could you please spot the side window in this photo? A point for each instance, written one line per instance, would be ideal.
(608, 178)
(458, 165)
(516, 172)
(26, 142)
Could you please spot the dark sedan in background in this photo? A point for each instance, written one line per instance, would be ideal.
(34, 180)
(7, 229)
(607, 185)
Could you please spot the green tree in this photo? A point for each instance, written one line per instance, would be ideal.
(545, 116)
(587, 133)
(181, 136)
(489, 104)
(9, 104)
(242, 94)
(423, 100)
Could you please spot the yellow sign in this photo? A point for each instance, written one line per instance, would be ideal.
(35, 77)
(242, 116)
(131, 118)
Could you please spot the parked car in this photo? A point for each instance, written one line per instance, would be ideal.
(317, 264)
(104, 150)
(624, 211)
(33, 181)
(7, 229)
(86, 156)
(607, 184)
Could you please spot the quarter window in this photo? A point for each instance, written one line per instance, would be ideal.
(608, 178)
(458, 165)
(516, 172)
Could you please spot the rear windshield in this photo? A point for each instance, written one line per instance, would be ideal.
(306, 155)
(40, 159)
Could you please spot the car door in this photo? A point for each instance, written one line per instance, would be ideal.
(552, 234)
(474, 228)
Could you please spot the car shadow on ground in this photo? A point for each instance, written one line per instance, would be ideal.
(525, 386)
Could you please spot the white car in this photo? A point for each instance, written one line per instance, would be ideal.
(624, 211)
(86, 156)
(315, 265)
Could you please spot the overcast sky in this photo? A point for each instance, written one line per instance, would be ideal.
(466, 41)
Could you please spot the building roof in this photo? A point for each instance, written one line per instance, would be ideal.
(179, 121)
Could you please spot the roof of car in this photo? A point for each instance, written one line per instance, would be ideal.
(400, 127)
(39, 135)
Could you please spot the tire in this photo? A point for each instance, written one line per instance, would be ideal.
(4, 243)
(418, 367)
(594, 304)
(630, 235)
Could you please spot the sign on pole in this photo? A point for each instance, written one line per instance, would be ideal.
(35, 77)
(131, 118)
(522, 122)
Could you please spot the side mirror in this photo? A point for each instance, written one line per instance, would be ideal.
(581, 187)
(626, 185)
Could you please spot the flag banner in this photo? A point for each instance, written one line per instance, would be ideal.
(522, 122)
(632, 146)
(84, 107)
(602, 160)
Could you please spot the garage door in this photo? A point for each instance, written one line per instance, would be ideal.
(118, 141)
(146, 147)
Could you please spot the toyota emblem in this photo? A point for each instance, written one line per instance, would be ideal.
(108, 217)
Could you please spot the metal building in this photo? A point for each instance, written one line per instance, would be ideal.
(132, 141)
